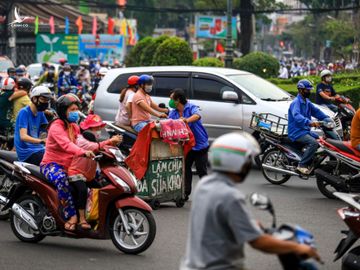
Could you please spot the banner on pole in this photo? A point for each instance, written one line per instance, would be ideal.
(213, 27)
(50, 48)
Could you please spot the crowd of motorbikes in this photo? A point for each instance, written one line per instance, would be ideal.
(31, 203)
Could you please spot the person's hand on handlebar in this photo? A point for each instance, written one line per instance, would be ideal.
(315, 124)
(115, 140)
(308, 252)
(89, 154)
(163, 115)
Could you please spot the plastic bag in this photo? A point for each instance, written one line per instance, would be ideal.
(92, 205)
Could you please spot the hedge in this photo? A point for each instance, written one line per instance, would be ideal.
(147, 54)
(172, 52)
(133, 58)
(259, 63)
(208, 62)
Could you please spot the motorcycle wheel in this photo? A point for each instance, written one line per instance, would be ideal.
(325, 188)
(22, 231)
(351, 259)
(5, 185)
(275, 158)
(142, 232)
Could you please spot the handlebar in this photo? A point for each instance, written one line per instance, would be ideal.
(97, 157)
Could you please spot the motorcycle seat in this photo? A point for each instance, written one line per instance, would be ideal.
(127, 128)
(344, 146)
(9, 156)
(35, 171)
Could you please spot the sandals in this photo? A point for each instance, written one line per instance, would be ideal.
(70, 226)
(85, 226)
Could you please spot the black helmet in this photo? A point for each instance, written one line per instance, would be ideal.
(24, 84)
(11, 70)
(64, 102)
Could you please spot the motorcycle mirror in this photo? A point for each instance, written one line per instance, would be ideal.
(263, 202)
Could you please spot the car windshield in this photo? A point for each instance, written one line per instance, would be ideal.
(259, 87)
(4, 65)
(34, 71)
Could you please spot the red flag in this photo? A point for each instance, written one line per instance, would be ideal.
(94, 26)
(111, 25)
(220, 47)
(52, 25)
(79, 24)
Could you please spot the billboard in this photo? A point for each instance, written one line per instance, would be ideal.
(52, 47)
(105, 48)
(213, 27)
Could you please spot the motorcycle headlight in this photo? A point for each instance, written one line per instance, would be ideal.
(347, 110)
(118, 155)
(121, 183)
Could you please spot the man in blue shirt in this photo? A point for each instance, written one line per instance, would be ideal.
(325, 93)
(190, 114)
(66, 81)
(30, 122)
(299, 130)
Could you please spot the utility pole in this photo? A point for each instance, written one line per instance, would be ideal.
(11, 30)
(228, 48)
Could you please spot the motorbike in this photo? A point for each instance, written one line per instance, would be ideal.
(288, 232)
(129, 136)
(7, 178)
(342, 171)
(350, 215)
(346, 113)
(280, 160)
(7, 139)
(123, 217)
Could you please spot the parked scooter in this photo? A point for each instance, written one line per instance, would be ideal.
(340, 173)
(123, 217)
(350, 215)
(295, 233)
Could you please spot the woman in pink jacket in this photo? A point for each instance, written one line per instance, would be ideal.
(60, 150)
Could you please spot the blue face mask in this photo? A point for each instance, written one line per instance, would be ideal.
(73, 117)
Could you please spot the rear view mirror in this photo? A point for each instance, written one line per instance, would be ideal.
(230, 96)
(260, 201)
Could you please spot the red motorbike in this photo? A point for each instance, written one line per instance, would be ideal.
(350, 215)
(346, 113)
(341, 171)
(123, 217)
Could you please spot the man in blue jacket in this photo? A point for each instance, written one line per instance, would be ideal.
(300, 112)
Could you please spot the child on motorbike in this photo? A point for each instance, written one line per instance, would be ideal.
(8, 88)
(123, 115)
(60, 150)
(83, 169)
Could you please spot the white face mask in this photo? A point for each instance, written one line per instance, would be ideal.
(148, 88)
(328, 79)
(66, 73)
(97, 134)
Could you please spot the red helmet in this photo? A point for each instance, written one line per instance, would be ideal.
(133, 80)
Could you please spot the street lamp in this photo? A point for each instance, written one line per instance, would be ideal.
(228, 48)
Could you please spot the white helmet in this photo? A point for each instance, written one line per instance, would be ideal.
(40, 91)
(103, 71)
(325, 72)
(8, 83)
(230, 152)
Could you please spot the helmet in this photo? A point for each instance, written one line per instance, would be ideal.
(22, 67)
(24, 83)
(103, 71)
(230, 152)
(325, 72)
(8, 84)
(40, 91)
(11, 70)
(20, 71)
(133, 80)
(62, 61)
(64, 102)
(304, 84)
(84, 63)
(145, 79)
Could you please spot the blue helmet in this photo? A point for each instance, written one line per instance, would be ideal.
(145, 79)
(304, 84)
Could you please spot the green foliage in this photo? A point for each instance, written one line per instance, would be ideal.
(208, 62)
(259, 63)
(133, 58)
(174, 51)
(147, 53)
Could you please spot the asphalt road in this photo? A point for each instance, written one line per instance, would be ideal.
(298, 202)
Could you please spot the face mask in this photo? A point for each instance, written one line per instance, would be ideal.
(172, 104)
(66, 73)
(40, 106)
(148, 88)
(328, 79)
(97, 134)
(73, 117)
(306, 94)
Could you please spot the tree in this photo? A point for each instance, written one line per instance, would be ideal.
(173, 51)
(147, 54)
(133, 58)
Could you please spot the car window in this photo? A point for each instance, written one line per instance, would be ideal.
(5, 64)
(209, 89)
(163, 85)
(120, 83)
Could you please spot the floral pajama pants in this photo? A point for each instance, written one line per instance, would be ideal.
(56, 175)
